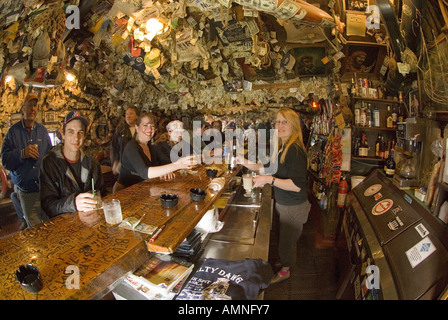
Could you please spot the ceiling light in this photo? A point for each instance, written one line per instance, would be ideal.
(70, 77)
(153, 25)
(153, 28)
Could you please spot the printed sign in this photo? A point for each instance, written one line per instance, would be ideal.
(378, 196)
(395, 224)
(420, 252)
(372, 190)
(422, 230)
(382, 207)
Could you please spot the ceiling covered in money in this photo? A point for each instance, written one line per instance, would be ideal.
(183, 54)
(217, 56)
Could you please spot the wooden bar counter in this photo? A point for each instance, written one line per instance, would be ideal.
(104, 253)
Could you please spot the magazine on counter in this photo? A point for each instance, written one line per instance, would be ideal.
(161, 277)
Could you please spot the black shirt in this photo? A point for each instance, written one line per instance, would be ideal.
(75, 167)
(294, 168)
(135, 164)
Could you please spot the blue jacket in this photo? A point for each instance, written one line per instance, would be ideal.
(24, 172)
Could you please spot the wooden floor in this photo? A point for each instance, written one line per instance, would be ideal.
(313, 278)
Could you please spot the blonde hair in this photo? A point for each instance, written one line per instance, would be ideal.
(296, 137)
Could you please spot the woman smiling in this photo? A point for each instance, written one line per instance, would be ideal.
(140, 160)
(289, 184)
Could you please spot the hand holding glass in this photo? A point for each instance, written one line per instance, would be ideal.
(247, 184)
(97, 198)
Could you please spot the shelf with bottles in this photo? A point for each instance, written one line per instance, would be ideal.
(315, 152)
(375, 128)
(319, 191)
(368, 148)
(363, 89)
(368, 159)
(376, 100)
(376, 117)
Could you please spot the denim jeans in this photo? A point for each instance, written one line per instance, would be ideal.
(292, 219)
(31, 208)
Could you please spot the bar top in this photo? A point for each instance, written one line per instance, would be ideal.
(103, 253)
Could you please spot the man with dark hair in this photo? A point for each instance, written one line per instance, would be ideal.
(25, 145)
(67, 174)
(121, 137)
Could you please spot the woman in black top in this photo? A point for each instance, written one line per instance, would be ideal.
(139, 160)
(287, 174)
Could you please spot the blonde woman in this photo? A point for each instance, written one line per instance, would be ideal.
(289, 184)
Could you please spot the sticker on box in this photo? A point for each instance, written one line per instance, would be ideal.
(420, 252)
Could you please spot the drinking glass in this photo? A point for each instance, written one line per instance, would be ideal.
(112, 211)
(97, 197)
(247, 184)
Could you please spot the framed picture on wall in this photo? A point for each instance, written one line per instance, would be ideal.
(251, 73)
(309, 60)
(50, 116)
(363, 58)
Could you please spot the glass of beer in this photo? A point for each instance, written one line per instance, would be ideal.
(247, 184)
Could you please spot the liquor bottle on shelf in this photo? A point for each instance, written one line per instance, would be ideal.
(369, 118)
(387, 149)
(363, 85)
(232, 162)
(357, 114)
(376, 117)
(389, 119)
(364, 146)
(356, 147)
(382, 148)
(363, 115)
(352, 88)
(394, 117)
(389, 166)
(377, 145)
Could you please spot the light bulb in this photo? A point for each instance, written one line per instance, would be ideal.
(154, 26)
(70, 77)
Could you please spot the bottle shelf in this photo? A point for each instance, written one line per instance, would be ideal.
(368, 159)
(374, 128)
(376, 100)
